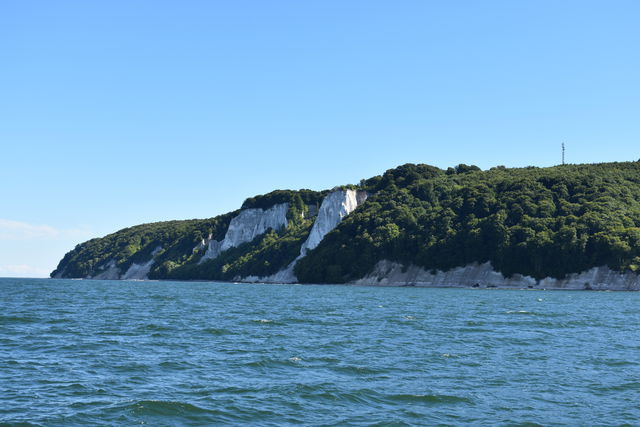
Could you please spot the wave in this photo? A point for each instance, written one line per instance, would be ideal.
(430, 398)
(18, 319)
(217, 331)
(358, 370)
(168, 408)
(154, 327)
(629, 386)
(272, 363)
(269, 322)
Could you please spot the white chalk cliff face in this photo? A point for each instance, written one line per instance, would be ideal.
(141, 271)
(283, 276)
(337, 205)
(334, 208)
(251, 223)
(387, 273)
(138, 271)
(110, 272)
(246, 226)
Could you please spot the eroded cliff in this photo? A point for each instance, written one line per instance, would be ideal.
(249, 224)
(387, 273)
(565, 227)
(335, 206)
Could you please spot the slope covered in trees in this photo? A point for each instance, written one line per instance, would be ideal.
(175, 239)
(177, 244)
(534, 221)
(541, 222)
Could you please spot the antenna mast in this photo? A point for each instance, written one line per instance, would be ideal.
(563, 153)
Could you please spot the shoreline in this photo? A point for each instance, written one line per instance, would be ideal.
(358, 284)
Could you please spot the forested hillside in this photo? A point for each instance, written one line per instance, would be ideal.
(541, 222)
(176, 246)
(534, 221)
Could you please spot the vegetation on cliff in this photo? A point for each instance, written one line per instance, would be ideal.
(533, 221)
(176, 240)
(265, 255)
(178, 249)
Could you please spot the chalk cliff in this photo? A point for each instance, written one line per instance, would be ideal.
(563, 227)
(387, 273)
(109, 272)
(249, 224)
(140, 271)
(335, 206)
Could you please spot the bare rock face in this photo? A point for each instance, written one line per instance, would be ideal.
(246, 226)
(138, 271)
(251, 223)
(334, 208)
(285, 275)
(597, 278)
(337, 205)
(141, 271)
(111, 272)
(387, 273)
(213, 250)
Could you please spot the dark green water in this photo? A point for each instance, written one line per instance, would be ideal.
(175, 353)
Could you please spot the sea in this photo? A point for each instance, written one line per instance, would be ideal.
(90, 352)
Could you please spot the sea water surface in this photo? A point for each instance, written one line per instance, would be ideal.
(189, 353)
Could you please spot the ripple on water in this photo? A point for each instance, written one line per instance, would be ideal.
(217, 331)
(266, 322)
(171, 353)
(432, 399)
(7, 320)
(354, 370)
(361, 396)
(626, 386)
(167, 408)
(155, 327)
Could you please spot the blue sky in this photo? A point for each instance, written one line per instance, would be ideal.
(115, 113)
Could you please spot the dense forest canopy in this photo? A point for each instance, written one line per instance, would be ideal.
(175, 239)
(533, 221)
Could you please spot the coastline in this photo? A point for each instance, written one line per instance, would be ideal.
(474, 276)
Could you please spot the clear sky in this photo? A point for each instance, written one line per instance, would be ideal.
(115, 113)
